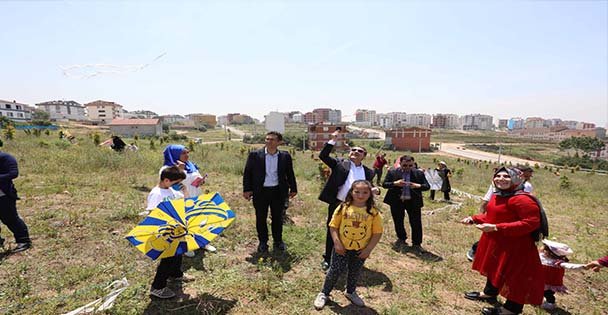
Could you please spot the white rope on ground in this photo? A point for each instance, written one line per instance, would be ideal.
(105, 302)
(454, 205)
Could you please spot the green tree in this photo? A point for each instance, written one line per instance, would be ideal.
(40, 115)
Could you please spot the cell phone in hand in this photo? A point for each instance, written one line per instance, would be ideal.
(199, 181)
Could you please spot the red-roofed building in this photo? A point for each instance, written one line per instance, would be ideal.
(413, 139)
(140, 127)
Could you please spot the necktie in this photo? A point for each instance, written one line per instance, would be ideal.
(406, 192)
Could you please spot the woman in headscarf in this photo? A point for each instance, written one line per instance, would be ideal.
(179, 155)
(507, 255)
(444, 172)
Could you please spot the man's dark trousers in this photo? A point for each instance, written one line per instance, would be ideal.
(270, 196)
(329, 243)
(9, 216)
(415, 218)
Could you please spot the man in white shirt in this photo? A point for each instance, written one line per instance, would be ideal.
(343, 173)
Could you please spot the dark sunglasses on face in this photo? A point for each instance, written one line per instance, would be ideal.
(357, 150)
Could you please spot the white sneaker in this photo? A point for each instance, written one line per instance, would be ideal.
(354, 298)
(320, 301)
(548, 306)
(144, 213)
(210, 248)
(164, 293)
(189, 254)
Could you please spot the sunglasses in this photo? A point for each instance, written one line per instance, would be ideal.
(357, 150)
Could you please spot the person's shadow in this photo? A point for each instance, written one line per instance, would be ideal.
(424, 255)
(197, 262)
(559, 311)
(185, 304)
(350, 309)
(274, 259)
(372, 278)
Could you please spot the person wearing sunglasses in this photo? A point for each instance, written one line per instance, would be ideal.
(405, 186)
(343, 173)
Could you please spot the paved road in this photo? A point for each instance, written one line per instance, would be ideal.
(457, 149)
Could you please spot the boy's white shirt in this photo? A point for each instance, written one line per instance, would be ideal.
(158, 195)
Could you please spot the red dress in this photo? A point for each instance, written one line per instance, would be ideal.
(508, 257)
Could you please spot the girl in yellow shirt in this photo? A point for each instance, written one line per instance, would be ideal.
(355, 228)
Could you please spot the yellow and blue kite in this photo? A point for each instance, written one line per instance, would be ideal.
(177, 226)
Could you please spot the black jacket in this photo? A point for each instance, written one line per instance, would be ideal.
(393, 195)
(8, 172)
(255, 173)
(339, 172)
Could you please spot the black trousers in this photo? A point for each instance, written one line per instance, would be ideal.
(270, 197)
(550, 296)
(168, 267)
(415, 217)
(350, 262)
(378, 176)
(509, 305)
(446, 195)
(9, 216)
(329, 243)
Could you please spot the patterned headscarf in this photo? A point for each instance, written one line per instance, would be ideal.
(517, 183)
(172, 153)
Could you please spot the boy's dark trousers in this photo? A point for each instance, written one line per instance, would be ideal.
(550, 296)
(9, 216)
(168, 267)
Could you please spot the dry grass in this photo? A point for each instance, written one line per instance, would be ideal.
(79, 201)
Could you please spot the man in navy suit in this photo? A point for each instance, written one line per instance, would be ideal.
(343, 173)
(405, 186)
(269, 179)
(8, 202)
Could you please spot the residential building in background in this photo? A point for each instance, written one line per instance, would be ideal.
(16, 111)
(297, 118)
(63, 110)
(275, 121)
(503, 123)
(553, 122)
(241, 119)
(418, 120)
(320, 133)
(142, 114)
(207, 120)
(311, 118)
(171, 119)
(534, 122)
(477, 122)
(515, 123)
(103, 111)
(446, 121)
(385, 121)
(570, 124)
(365, 117)
(414, 139)
(585, 125)
(132, 127)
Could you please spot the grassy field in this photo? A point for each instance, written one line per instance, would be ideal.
(80, 200)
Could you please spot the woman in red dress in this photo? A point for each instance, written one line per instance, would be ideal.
(507, 255)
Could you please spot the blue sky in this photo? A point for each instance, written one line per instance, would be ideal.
(506, 59)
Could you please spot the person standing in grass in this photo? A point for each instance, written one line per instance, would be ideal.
(379, 165)
(343, 173)
(507, 255)
(444, 172)
(356, 228)
(178, 155)
(269, 180)
(8, 202)
(169, 267)
(405, 186)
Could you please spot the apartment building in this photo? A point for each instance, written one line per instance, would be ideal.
(103, 111)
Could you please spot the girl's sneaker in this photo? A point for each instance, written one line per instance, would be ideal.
(164, 293)
(548, 306)
(210, 248)
(320, 301)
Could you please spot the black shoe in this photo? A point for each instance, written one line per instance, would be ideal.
(498, 310)
(325, 266)
(21, 247)
(281, 247)
(476, 296)
(418, 249)
(263, 248)
(471, 254)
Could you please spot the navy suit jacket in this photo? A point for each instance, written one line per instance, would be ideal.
(255, 173)
(339, 172)
(393, 195)
(8, 172)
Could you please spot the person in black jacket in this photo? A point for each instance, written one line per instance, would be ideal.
(269, 179)
(405, 186)
(343, 173)
(8, 202)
